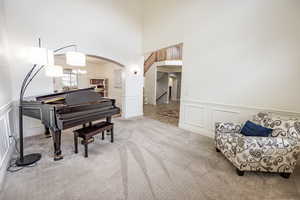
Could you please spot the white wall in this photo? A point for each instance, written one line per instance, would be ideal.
(239, 56)
(6, 112)
(150, 85)
(5, 81)
(133, 87)
(168, 13)
(178, 93)
(107, 28)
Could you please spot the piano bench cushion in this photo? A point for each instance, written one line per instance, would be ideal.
(90, 131)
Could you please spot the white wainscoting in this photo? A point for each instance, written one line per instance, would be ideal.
(132, 107)
(200, 117)
(31, 127)
(6, 143)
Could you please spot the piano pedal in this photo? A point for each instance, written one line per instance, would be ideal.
(58, 157)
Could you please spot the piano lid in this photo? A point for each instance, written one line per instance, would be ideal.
(83, 97)
(53, 96)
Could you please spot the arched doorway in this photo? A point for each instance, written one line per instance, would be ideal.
(162, 89)
(102, 73)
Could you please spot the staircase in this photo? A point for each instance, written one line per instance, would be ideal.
(169, 53)
(162, 95)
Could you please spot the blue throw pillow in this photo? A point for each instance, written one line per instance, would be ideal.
(252, 129)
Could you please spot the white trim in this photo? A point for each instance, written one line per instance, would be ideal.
(6, 143)
(226, 110)
(5, 107)
(196, 130)
(286, 112)
(213, 112)
(168, 63)
(132, 116)
(4, 165)
(139, 116)
(186, 118)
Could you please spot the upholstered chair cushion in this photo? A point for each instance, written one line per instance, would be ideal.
(226, 137)
(262, 118)
(270, 154)
(228, 127)
(287, 128)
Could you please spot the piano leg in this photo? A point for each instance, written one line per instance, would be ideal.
(47, 132)
(56, 136)
(108, 119)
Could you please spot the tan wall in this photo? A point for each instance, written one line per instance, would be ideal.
(95, 71)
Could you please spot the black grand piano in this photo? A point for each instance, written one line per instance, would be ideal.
(60, 111)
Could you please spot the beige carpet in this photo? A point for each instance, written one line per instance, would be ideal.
(149, 160)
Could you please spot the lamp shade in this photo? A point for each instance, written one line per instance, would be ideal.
(54, 71)
(76, 59)
(41, 56)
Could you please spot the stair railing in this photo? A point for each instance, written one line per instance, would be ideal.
(150, 61)
(163, 94)
(169, 53)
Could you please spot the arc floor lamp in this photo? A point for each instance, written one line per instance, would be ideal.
(41, 57)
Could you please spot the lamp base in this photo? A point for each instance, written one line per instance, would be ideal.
(28, 159)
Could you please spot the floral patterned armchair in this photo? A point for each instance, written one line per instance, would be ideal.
(277, 153)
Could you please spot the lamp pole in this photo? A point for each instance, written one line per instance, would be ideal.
(25, 160)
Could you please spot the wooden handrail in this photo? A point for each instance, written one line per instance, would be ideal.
(163, 94)
(150, 57)
(169, 53)
(150, 61)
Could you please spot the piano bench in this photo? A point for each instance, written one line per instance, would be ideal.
(87, 134)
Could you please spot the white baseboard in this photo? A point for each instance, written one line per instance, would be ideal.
(134, 117)
(196, 129)
(4, 166)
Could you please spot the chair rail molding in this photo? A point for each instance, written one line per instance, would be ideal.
(6, 144)
(200, 117)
